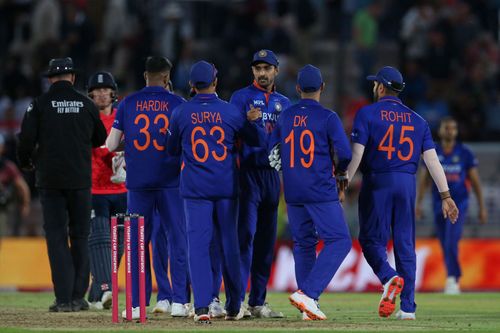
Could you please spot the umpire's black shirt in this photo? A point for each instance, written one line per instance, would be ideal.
(58, 132)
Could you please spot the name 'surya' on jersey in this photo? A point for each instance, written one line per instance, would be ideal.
(205, 117)
(67, 106)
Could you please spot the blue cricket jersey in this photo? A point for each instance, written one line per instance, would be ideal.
(144, 118)
(271, 105)
(310, 136)
(204, 130)
(394, 137)
(456, 165)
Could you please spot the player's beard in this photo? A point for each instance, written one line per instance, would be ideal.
(264, 82)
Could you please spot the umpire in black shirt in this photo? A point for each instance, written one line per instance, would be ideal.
(58, 132)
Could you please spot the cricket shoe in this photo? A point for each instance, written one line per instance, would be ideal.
(452, 287)
(136, 313)
(306, 304)
(235, 316)
(264, 311)
(181, 310)
(201, 316)
(392, 289)
(215, 309)
(96, 305)
(246, 312)
(401, 315)
(107, 299)
(162, 306)
(305, 316)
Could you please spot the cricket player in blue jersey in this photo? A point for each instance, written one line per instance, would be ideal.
(388, 140)
(460, 166)
(204, 131)
(153, 176)
(260, 184)
(308, 137)
(160, 248)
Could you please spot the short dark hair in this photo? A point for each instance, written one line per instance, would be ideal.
(155, 64)
(447, 119)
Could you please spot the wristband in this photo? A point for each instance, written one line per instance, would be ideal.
(445, 195)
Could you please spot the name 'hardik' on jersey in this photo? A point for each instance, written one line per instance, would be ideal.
(67, 106)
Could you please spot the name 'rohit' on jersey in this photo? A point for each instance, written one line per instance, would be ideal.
(144, 118)
(394, 136)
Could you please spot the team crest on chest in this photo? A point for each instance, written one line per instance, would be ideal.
(455, 159)
(278, 107)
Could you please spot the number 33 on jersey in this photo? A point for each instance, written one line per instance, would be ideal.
(393, 135)
(144, 118)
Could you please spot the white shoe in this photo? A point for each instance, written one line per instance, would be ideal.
(246, 312)
(202, 319)
(180, 310)
(95, 306)
(306, 304)
(392, 289)
(305, 316)
(238, 316)
(452, 287)
(107, 299)
(136, 314)
(162, 306)
(215, 309)
(264, 311)
(401, 315)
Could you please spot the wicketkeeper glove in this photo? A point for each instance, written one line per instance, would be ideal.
(275, 157)
(118, 166)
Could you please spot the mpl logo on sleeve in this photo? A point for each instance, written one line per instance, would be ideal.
(67, 106)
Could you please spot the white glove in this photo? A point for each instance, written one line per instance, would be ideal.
(118, 166)
(275, 157)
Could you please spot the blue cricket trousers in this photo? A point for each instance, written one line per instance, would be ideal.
(309, 223)
(166, 203)
(387, 208)
(202, 218)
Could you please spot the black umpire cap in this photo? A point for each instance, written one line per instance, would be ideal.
(60, 66)
(102, 79)
(155, 64)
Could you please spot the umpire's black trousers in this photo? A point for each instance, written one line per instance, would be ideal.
(67, 212)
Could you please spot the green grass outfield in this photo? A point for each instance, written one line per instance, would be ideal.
(347, 312)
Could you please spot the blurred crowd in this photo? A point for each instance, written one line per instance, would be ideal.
(448, 50)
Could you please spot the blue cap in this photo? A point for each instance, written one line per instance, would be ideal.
(266, 56)
(202, 74)
(102, 80)
(389, 77)
(309, 78)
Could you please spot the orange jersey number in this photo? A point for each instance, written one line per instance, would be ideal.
(145, 131)
(215, 131)
(389, 148)
(308, 151)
